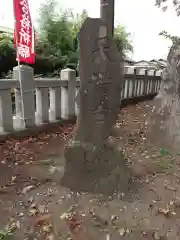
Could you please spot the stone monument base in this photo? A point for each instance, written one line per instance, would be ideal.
(103, 172)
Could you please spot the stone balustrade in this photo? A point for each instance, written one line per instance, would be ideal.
(49, 100)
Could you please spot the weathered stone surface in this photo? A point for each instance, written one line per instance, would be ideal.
(164, 122)
(101, 80)
(107, 14)
(101, 77)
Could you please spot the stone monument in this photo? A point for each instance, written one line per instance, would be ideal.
(99, 98)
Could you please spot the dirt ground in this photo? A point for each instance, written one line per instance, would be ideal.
(35, 205)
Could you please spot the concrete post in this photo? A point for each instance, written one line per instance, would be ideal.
(42, 105)
(68, 94)
(76, 105)
(55, 103)
(6, 117)
(26, 101)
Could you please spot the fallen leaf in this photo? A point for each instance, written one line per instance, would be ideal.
(30, 200)
(21, 214)
(3, 189)
(13, 178)
(27, 189)
(164, 211)
(167, 212)
(171, 202)
(42, 209)
(33, 212)
(47, 228)
(13, 225)
(170, 188)
(122, 232)
(114, 218)
(72, 220)
(83, 214)
(42, 220)
(65, 216)
(173, 213)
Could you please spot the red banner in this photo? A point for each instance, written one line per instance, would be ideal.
(24, 35)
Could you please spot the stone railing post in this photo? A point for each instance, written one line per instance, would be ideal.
(128, 87)
(42, 105)
(6, 116)
(141, 72)
(68, 94)
(150, 82)
(158, 81)
(25, 102)
(55, 103)
(76, 105)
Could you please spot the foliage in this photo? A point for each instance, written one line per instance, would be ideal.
(175, 39)
(163, 5)
(164, 152)
(59, 32)
(123, 39)
(7, 53)
(58, 35)
(5, 235)
(57, 42)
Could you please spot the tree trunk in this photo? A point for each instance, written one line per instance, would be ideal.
(164, 122)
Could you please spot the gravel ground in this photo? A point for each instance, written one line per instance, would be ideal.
(35, 205)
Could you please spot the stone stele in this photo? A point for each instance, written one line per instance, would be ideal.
(99, 98)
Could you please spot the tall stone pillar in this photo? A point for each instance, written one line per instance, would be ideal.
(107, 14)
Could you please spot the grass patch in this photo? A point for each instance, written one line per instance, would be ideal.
(163, 164)
(164, 161)
(164, 152)
(5, 235)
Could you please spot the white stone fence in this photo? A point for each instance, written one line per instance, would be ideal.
(48, 100)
